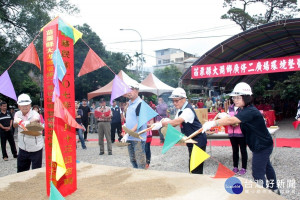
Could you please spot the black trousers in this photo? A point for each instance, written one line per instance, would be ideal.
(199, 169)
(7, 135)
(25, 159)
(116, 126)
(239, 143)
(85, 124)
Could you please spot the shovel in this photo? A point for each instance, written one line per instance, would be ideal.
(132, 133)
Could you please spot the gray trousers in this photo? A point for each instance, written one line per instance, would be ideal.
(104, 129)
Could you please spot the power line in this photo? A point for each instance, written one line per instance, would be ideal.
(169, 39)
(197, 31)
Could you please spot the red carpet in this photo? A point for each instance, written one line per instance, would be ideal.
(280, 142)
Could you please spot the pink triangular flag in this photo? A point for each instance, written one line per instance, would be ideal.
(223, 172)
(91, 63)
(30, 55)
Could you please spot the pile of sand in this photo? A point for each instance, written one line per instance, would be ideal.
(107, 182)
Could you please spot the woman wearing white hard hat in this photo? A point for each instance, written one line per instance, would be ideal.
(256, 134)
(30, 146)
(188, 121)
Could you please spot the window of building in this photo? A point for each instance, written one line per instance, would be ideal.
(166, 61)
(159, 62)
(178, 59)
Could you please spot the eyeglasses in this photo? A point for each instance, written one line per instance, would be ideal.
(177, 100)
(237, 98)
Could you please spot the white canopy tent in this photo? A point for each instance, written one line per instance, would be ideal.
(152, 81)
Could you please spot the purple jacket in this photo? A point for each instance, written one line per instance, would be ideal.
(161, 109)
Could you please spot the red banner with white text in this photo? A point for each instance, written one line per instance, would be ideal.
(66, 135)
(261, 66)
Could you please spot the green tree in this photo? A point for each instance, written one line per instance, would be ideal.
(25, 18)
(93, 80)
(290, 88)
(20, 23)
(273, 10)
(169, 75)
(259, 89)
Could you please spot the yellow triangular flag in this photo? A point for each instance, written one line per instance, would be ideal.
(77, 34)
(197, 157)
(57, 157)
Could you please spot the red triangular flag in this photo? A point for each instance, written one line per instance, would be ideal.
(295, 124)
(30, 55)
(223, 172)
(61, 112)
(91, 63)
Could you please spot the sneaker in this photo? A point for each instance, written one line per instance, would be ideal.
(109, 153)
(101, 153)
(235, 170)
(242, 171)
(5, 159)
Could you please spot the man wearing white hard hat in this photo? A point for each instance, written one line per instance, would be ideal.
(30, 147)
(256, 134)
(188, 121)
(136, 147)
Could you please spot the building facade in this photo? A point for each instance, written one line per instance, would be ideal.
(170, 56)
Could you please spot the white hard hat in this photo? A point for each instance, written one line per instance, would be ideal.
(241, 88)
(177, 93)
(24, 100)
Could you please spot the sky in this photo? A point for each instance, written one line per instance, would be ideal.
(167, 21)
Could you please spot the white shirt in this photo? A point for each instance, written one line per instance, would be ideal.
(27, 142)
(187, 114)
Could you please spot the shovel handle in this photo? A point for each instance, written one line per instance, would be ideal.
(216, 117)
(194, 134)
(145, 130)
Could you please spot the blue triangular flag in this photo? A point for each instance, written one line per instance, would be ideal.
(56, 91)
(59, 63)
(54, 193)
(146, 113)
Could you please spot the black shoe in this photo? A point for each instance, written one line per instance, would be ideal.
(110, 153)
(101, 153)
(86, 140)
(276, 191)
(16, 156)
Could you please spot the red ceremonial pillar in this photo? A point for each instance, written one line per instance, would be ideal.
(66, 135)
